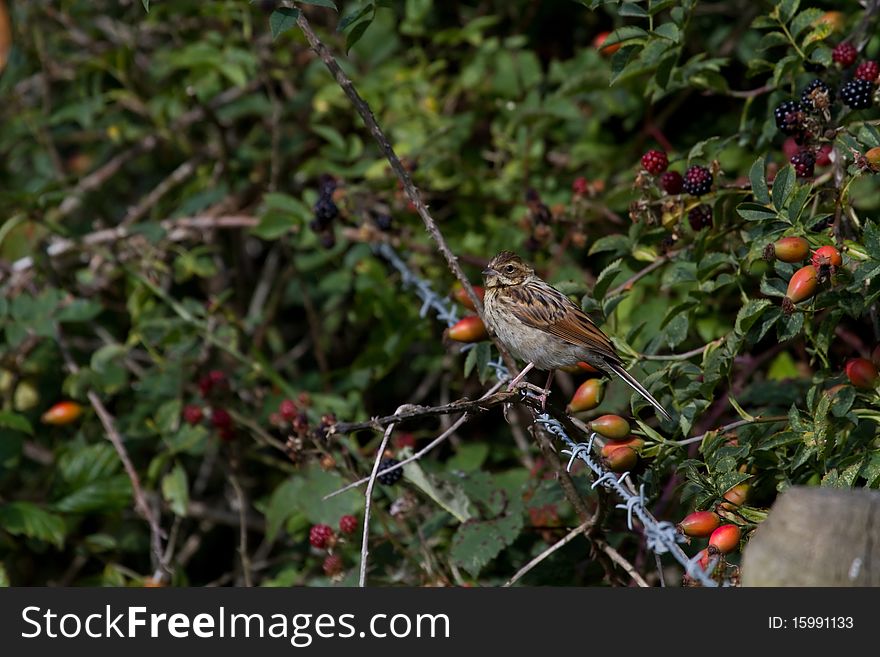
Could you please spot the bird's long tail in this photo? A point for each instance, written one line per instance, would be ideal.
(638, 387)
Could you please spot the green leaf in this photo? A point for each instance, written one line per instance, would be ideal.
(79, 310)
(668, 31)
(16, 422)
(146, 4)
(755, 212)
(783, 184)
(282, 19)
(605, 278)
(787, 9)
(476, 542)
(804, 20)
(633, 10)
(618, 243)
(356, 33)
(319, 3)
(790, 326)
(749, 314)
(448, 494)
(871, 236)
(625, 33)
(758, 180)
(175, 490)
(103, 495)
(27, 519)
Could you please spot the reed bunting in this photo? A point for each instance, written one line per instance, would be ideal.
(538, 324)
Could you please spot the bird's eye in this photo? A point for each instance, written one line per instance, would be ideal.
(509, 269)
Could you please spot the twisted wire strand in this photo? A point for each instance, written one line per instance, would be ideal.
(661, 537)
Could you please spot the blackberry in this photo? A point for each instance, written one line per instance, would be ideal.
(700, 217)
(326, 186)
(844, 54)
(857, 94)
(383, 222)
(803, 162)
(655, 162)
(868, 70)
(348, 524)
(389, 478)
(319, 535)
(192, 414)
(671, 182)
(817, 96)
(332, 565)
(697, 180)
(789, 116)
(325, 209)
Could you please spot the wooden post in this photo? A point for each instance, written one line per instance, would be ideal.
(817, 537)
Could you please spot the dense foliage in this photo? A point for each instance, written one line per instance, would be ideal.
(189, 208)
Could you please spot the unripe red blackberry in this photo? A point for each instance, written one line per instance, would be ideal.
(789, 117)
(823, 156)
(672, 182)
(220, 418)
(192, 414)
(804, 163)
(389, 478)
(700, 217)
(817, 95)
(320, 535)
(868, 70)
(580, 186)
(332, 565)
(288, 410)
(857, 94)
(655, 162)
(697, 180)
(348, 524)
(844, 54)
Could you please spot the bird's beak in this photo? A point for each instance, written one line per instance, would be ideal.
(488, 271)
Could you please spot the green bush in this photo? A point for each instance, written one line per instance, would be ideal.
(191, 206)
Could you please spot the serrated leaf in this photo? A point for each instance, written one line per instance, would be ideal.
(477, 542)
(783, 184)
(175, 490)
(27, 519)
(448, 494)
(16, 422)
(758, 180)
(623, 34)
(871, 237)
(790, 326)
(617, 242)
(605, 278)
(110, 494)
(804, 20)
(282, 19)
(755, 212)
(633, 10)
(787, 9)
(668, 31)
(749, 314)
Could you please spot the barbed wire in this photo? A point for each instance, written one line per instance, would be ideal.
(661, 537)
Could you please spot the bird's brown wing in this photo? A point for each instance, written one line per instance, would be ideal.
(543, 307)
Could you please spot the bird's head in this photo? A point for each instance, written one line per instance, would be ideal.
(505, 269)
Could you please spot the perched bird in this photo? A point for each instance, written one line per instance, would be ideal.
(538, 324)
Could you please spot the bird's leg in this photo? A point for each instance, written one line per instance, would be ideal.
(520, 376)
(546, 392)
